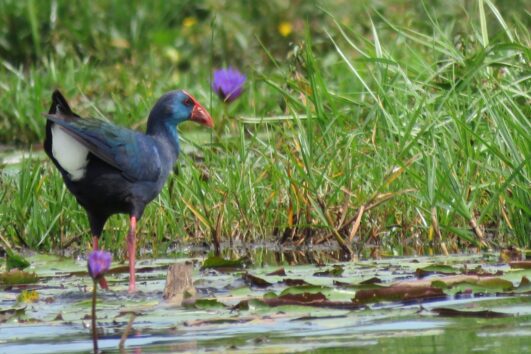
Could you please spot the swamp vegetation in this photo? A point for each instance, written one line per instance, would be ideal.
(366, 130)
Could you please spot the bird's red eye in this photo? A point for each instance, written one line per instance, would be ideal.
(188, 101)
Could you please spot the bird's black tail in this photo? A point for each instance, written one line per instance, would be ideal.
(60, 105)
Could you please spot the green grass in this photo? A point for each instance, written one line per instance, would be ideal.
(406, 128)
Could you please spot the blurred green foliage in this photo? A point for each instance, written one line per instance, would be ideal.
(42, 43)
(198, 31)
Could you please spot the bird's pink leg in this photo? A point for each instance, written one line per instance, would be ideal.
(102, 280)
(131, 251)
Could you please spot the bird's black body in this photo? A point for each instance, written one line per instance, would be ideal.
(105, 190)
(110, 169)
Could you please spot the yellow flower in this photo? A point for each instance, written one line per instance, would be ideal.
(172, 54)
(285, 28)
(121, 43)
(189, 22)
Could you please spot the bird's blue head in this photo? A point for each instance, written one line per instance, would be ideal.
(174, 108)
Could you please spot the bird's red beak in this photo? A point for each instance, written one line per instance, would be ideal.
(200, 114)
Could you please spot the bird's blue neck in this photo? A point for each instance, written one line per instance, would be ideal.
(165, 132)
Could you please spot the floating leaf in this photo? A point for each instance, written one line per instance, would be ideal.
(479, 271)
(446, 312)
(435, 269)
(342, 284)
(478, 283)
(303, 289)
(398, 293)
(373, 280)
(521, 264)
(309, 299)
(280, 272)
(295, 282)
(253, 280)
(216, 321)
(313, 318)
(303, 297)
(208, 304)
(241, 291)
(270, 295)
(356, 286)
(495, 283)
(17, 277)
(440, 284)
(245, 305)
(216, 262)
(6, 314)
(523, 288)
(335, 271)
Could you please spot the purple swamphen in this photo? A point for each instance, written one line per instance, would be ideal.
(110, 169)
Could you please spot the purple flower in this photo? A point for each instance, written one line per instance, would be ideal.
(99, 262)
(228, 84)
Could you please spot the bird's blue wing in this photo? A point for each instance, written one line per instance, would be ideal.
(131, 152)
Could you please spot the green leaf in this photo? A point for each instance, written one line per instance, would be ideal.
(335, 271)
(495, 283)
(435, 269)
(6, 314)
(15, 261)
(304, 289)
(16, 277)
(208, 304)
(440, 284)
(215, 262)
(28, 296)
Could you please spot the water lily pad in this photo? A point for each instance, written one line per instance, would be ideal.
(6, 314)
(373, 280)
(253, 280)
(208, 304)
(217, 321)
(216, 262)
(521, 264)
(309, 299)
(304, 289)
(477, 284)
(359, 286)
(295, 282)
(398, 293)
(280, 272)
(335, 271)
(447, 312)
(435, 269)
